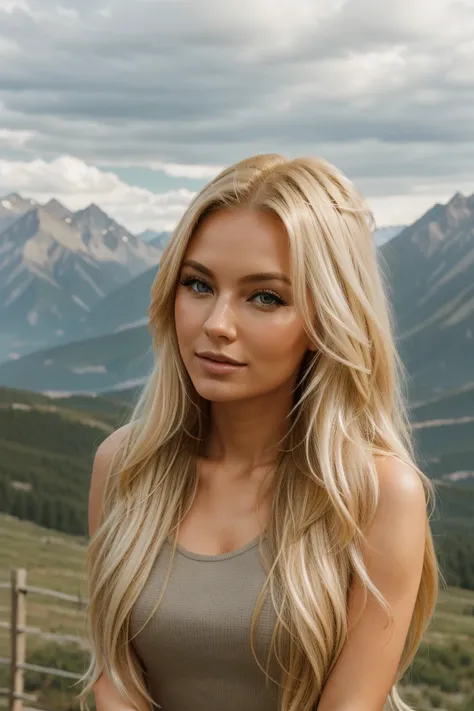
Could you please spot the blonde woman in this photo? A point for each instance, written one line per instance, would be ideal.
(260, 535)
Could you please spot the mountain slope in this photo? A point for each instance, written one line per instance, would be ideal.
(38, 253)
(107, 241)
(123, 308)
(55, 266)
(430, 267)
(115, 361)
(157, 239)
(57, 209)
(11, 207)
(47, 275)
(46, 450)
(443, 427)
(385, 234)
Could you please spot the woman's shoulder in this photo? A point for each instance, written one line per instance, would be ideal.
(100, 469)
(110, 445)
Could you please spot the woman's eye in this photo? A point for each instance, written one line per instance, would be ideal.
(269, 298)
(192, 282)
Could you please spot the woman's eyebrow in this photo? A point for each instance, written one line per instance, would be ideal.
(262, 276)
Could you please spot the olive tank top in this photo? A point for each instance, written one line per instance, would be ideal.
(195, 648)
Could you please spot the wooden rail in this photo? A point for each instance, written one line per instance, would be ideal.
(18, 634)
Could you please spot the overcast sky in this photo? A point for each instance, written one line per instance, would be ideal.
(134, 104)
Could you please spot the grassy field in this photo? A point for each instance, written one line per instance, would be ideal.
(442, 676)
(54, 561)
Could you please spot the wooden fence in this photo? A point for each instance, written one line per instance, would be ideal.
(19, 630)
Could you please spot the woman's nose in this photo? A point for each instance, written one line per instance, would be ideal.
(220, 323)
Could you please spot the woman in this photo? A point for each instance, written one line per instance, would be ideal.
(260, 531)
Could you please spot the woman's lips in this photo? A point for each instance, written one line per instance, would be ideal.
(218, 368)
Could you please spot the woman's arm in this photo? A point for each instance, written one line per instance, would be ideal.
(107, 697)
(366, 668)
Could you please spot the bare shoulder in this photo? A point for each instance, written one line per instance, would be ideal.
(400, 484)
(398, 528)
(109, 446)
(100, 468)
(395, 539)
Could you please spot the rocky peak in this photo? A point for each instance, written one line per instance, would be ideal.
(93, 214)
(57, 209)
(457, 210)
(15, 203)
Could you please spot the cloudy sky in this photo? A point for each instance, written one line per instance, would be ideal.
(135, 104)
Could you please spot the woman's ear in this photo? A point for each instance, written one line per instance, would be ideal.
(311, 345)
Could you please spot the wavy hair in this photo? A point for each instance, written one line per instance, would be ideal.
(349, 405)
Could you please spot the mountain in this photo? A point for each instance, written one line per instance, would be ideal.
(46, 276)
(123, 308)
(444, 432)
(55, 266)
(385, 234)
(11, 207)
(157, 239)
(430, 270)
(161, 240)
(57, 209)
(116, 361)
(107, 241)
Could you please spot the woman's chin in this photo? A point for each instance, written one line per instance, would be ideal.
(218, 391)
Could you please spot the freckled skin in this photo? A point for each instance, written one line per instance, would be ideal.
(235, 318)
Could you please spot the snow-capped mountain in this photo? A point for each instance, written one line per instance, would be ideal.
(107, 241)
(11, 207)
(46, 273)
(55, 265)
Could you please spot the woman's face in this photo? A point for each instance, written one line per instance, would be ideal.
(234, 300)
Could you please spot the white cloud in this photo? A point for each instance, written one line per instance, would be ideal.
(404, 209)
(67, 12)
(8, 48)
(178, 170)
(77, 184)
(11, 5)
(15, 139)
(382, 89)
(104, 12)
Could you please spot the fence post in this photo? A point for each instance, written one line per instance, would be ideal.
(18, 638)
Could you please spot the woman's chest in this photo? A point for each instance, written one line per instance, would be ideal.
(200, 635)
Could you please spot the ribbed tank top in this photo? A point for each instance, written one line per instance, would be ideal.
(196, 646)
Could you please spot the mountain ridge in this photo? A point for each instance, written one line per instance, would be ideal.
(55, 265)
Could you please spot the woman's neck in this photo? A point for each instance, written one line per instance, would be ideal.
(246, 434)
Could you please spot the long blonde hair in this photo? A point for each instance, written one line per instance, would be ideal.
(349, 405)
